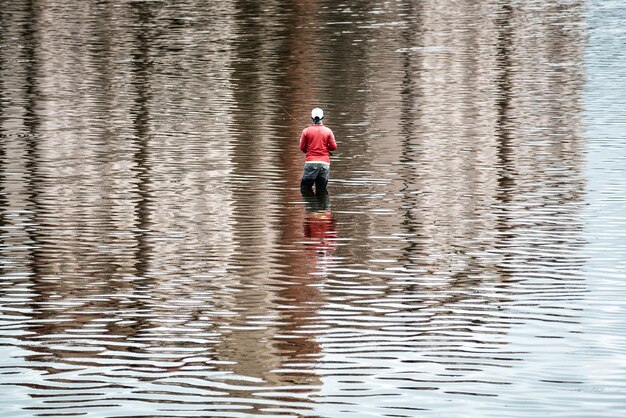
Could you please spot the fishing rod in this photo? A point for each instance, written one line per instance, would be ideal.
(366, 131)
(290, 115)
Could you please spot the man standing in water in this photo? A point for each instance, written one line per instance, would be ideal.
(316, 141)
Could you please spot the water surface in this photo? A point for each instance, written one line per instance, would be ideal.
(158, 258)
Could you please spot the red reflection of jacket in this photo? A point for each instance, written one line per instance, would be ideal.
(317, 141)
(320, 228)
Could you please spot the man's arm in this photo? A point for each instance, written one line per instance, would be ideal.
(303, 142)
(332, 144)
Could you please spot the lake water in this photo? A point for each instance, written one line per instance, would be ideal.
(158, 259)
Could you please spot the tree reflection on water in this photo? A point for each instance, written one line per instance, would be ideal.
(158, 256)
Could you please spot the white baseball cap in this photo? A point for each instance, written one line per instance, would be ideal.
(317, 113)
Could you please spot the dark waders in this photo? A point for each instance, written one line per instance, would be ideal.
(315, 173)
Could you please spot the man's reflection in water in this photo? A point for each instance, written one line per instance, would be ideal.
(302, 293)
(320, 228)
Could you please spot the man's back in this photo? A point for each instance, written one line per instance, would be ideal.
(317, 141)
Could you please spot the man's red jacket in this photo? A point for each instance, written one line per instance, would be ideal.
(317, 141)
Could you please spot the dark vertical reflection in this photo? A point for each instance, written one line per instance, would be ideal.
(25, 93)
(409, 119)
(142, 69)
(506, 180)
(4, 135)
(503, 100)
(31, 123)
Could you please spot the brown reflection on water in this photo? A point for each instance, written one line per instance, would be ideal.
(468, 185)
(464, 122)
(135, 199)
(153, 225)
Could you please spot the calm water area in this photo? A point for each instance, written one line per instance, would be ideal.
(157, 258)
